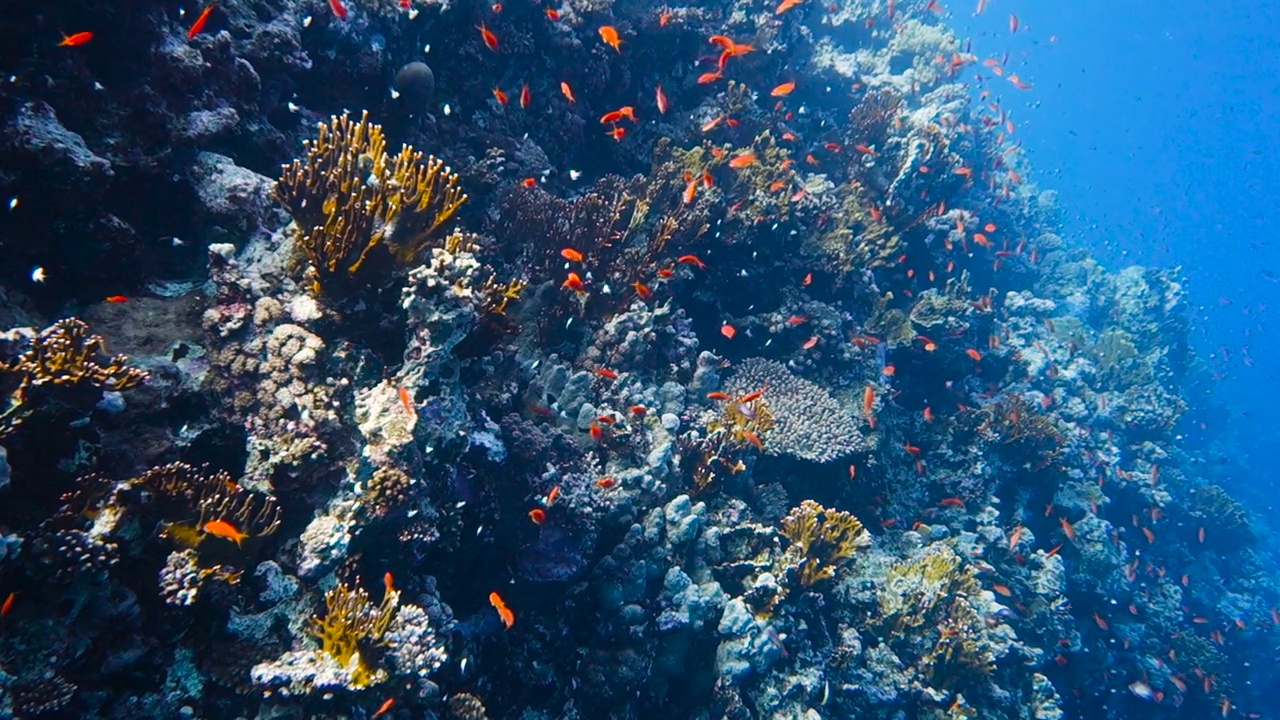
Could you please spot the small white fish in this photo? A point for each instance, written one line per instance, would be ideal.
(292, 107)
(395, 94)
(413, 13)
(447, 111)
(13, 202)
(574, 174)
(98, 86)
(1141, 689)
(38, 274)
(306, 21)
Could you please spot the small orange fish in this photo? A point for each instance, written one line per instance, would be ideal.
(607, 374)
(199, 24)
(526, 98)
(709, 77)
(1102, 623)
(661, 97)
(7, 607)
(753, 439)
(868, 400)
(690, 191)
(928, 414)
(490, 40)
(810, 343)
(951, 502)
(617, 133)
(553, 14)
(500, 96)
(642, 290)
(728, 331)
(1013, 23)
(808, 279)
(692, 259)
(717, 395)
(553, 496)
(76, 39)
(574, 283)
(1068, 528)
(1151, 537)
(664, 18)
(1002, 590)
(889, 371)
(538, 516)
(609, 34)
(786, 5)
(1015, 537)
(567, 91)
(225, 530)
(596, 432)
(605, 483)
(389, 582)
(1054, 551)
(783, 90)
(529, 182)
(384, 707)
(571, 255)
(639, 410)
(504, 612)
(974, 354)
(117, 299)
(406, 399)
(745, 159)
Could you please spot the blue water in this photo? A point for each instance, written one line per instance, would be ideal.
(1159, 126)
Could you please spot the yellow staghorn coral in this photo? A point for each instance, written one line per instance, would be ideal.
(821, 541)
(348, 197)
(353, 628)
(63, 354)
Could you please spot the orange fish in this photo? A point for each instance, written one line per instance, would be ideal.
(609, 34)
(783, 90)
(504, 612)
(709, 77)
(1013, 23)
(117, 299)
(1002, 590)
(1068, 528)
(808, 278)
(1102, 623)
(596, 432)
(500, 96)
(199, 24)
(617, 133)
(717, 395)
(642, 290)
(728, 331)
(1054, 551)
(406, 399)
(7, 607)
(490, 40)
(571, 255)
(753, 439)
(951, 502)
(607, 374)
(525, 96)
(1016, 537)
(384, 707)
(928, 414)
(692, 259)
(744, 160)
(810, 343)
(868, 400)
(574, 283)
(1151, 537)
(567, 91)
(538, 516)
(529, 182)
(663, 103)
(689, 191)
(225, 530)
(553, 14)
(786, 5)
(974, 354)
(605, 483)
(664, 18)
(76, 39)
(388, 581)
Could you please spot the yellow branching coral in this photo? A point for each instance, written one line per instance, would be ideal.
(821, 541)
(209, 496)
(352, 629)
(63, 354)
(349, 196)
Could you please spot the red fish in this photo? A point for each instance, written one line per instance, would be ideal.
(663, 103)
(117, 299)
(526, 98)
(490, 40)
(728, 331)
(7, 607)
(692, 259)
(384, 707)
(199, 24)
(504, 612)
(76, 39)
(338, 9)
(1013, 23)
(567, 91)
(538, 516)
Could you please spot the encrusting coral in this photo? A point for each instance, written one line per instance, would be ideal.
(349, 196)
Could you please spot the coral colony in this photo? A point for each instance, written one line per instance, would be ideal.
(719, 362)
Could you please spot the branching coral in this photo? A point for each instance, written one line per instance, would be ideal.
(729, 433)
(353, 628)
(63, 354)
(808, 422)
(1026, 438)
(821, 541)
(210, 497)
(349, 196)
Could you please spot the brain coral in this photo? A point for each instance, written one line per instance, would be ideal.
(808, 422)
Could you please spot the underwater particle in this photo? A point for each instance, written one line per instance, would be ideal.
(416, 83)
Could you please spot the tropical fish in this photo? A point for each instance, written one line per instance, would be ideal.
(728, 331)
(571, 255)
(783, 90)
(490, 40)
(225, 530)
(609, 34)
(742, 160)
(384, 707)
(538, 516)
(525, 96)
(661, 97)
(76, 39)
(567, 91)
(504, 612)
(199, 24)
